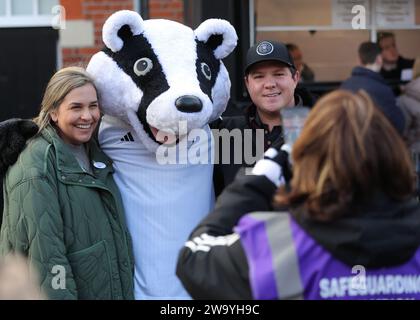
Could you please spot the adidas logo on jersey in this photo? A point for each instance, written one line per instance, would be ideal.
(128, 137)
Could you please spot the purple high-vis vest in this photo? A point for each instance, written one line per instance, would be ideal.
(286, 263)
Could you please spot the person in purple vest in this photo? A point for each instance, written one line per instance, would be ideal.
(346, 227)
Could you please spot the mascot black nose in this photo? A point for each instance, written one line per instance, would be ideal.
(189, 104)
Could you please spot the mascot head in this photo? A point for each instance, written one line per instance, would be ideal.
(154, 74)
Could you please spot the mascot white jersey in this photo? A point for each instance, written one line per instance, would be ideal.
(160, 83)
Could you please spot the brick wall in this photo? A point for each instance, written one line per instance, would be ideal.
(167, 9)
(99, 10)
(96, 11)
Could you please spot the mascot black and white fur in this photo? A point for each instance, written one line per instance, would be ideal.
(159, 80)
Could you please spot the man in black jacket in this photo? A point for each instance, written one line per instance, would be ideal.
(393, 62)
(367, 77)
(271, 79)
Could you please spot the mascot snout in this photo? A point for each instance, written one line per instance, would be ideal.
(189, 104)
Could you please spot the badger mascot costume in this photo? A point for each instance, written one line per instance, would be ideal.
(160, 83)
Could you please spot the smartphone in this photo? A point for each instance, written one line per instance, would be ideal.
(293, 119)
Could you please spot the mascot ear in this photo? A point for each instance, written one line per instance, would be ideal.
(219, 35)
(119, 27)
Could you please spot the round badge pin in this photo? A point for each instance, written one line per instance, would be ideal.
(99, 165)
(265, 48)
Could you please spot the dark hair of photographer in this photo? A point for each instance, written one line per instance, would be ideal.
(346, 153)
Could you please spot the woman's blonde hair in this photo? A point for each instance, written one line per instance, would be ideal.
(60, 84)
(346, 153)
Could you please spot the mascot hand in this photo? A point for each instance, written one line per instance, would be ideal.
(13, 136)
(275, 166)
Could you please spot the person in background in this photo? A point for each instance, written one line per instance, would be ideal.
(306, 73)
(62, 208)
(366, 76)
(350, 203)
(409, 102)
(17, 282)
(393, 63)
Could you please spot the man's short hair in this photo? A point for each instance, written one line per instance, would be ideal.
(368, 51)
(291, 46)
(384, 35)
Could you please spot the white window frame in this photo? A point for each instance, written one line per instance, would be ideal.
(32, 20)
(136, 5)
(373, 28)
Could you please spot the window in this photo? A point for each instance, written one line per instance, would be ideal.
(2, 7)
(26, 13)
(22, 7)
(45, 6)
(323, 30)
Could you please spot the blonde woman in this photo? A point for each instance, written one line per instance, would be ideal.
(62, 208)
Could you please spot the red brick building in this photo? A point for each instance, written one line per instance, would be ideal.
(97, 11)
(82, 36)
(32, 50)
(41, 36)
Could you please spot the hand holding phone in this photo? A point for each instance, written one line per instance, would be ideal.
(293, 120)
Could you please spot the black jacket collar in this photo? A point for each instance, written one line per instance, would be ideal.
(365, 72)
(383, 233)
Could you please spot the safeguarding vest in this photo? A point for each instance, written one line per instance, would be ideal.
(286, 263)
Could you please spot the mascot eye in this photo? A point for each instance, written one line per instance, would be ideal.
(143, 66)
(205, 69)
